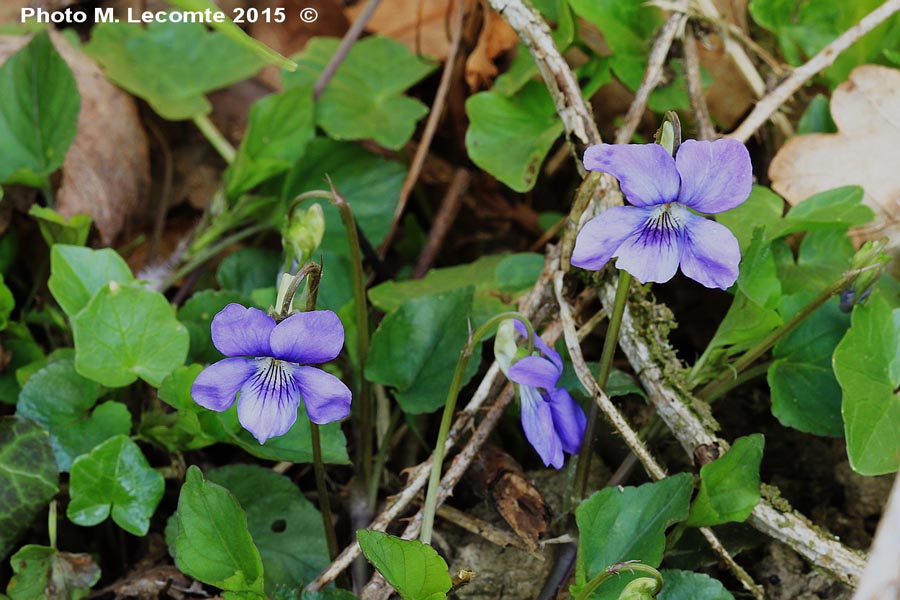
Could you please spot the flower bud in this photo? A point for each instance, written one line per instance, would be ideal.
(642, 588)
(669, 134)
(870, 260)
(302, 232)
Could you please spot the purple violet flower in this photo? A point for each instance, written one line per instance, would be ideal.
(553, 422)
(658, 233)
(265, 364)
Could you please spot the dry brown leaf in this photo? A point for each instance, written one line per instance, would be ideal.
(422, 25)
(106, 173)
(864, 152)
(496, 38)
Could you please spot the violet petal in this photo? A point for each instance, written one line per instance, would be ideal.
(326, 397)
(568, 420)
(646, 172)
(269, 400)
(240, 331)
(537, 422)
(218, 384)
(534, 371)
(313, 337)
(652, 254)
(711, 253)
(715, 176)
(542, 346)
(599, 239)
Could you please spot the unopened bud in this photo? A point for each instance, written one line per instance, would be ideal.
(642, 588)
(302, 232)
(669, 134)
(869, 261)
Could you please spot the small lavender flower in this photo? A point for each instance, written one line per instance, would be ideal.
(553, 422)
(658, 233)
(265, 366)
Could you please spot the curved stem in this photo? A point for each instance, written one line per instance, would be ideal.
(606, 359)
(598, 579)
(437, 459)
(204, 255)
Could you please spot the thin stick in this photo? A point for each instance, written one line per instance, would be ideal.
(480, 527)
(652, 75)
(344, 48)
(443, 221)
(434, 118)
(881, 578)
(705, 129)
(767, 106)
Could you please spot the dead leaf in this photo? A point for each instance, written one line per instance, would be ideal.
(422, 25)
(864, 152)
(106, 173)
(496, 38)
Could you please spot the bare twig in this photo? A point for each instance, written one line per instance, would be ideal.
(480, 527)
(443, 221)
(768, 105)
(743, 576)
(344, 48)
(705, 129)
(434, 117)
(652, 74)
(881, 579)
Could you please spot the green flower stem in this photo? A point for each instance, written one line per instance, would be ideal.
(366, 399)
(720, 384)
(437, 459)
(215, 138)
(606, 360)
(594, 583)
(381, 457)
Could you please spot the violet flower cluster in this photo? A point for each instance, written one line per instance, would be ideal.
(553, 422)
(658, 233)
(265, 365)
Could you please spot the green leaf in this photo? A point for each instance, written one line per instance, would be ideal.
(326, 594)
(39, 106)
(126, 332)
(744, 324)
(867, 365)
(57, 229)
(729, 486)
(805, 27)
(685, 585)
(19, 343)
(509, 136)
(170, 65)
(414, 569)
(369, 183)
(249, 269)
(210, 540)
(191, 426)
(279, 128)
(803, 363)
(823, 257)
(77, 273)
(758, 278)
(364, 99)
(285, 526)
(839, 208)
(60, 400)
(627, 27)
(115, 479)
(196, 315)
(42, 572)
(235, 33)
(7, 304)
(618, 524)
(294, 446)
(492, 276)
(28, 477)
(416, 347)
(762, 209)
(817, 117)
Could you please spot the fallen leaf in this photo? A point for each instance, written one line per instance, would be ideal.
(864, 152)
(496, 38)
(106, 173)
(422, 25)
